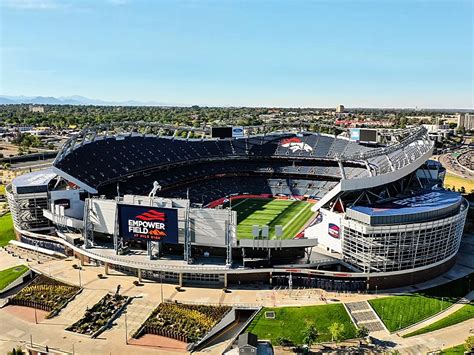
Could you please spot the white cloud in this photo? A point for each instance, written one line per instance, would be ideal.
(33, 4)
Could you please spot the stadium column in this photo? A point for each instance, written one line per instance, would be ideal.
(106, 268)
(139, 275)
(180, 279)
(225, 280)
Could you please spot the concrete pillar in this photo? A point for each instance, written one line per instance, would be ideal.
(139, 275)
(180, 279)
(106, 267)
(81, 259)
(271, 277)
(225, 280)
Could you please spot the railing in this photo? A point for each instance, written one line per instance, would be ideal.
(150, 266)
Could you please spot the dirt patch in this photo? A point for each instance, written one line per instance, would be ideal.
(26, 313)
(160, 342)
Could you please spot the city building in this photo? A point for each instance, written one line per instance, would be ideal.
(466, 120)
(38, 109)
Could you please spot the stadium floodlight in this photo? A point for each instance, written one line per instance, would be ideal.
(256, 231)
(278, 230)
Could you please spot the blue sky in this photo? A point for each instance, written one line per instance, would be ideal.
(244, 53)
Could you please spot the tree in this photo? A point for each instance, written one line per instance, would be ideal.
(362, 332)
(336, 329)
(282, 341)
(469, 343)
(310, 334)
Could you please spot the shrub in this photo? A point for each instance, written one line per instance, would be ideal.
(187, 323)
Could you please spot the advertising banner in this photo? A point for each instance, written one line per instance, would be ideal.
(355, 134)
(333, 230)
(148, 223)
(237, 132)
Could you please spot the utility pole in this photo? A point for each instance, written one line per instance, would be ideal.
(161, 285)
(126, 329)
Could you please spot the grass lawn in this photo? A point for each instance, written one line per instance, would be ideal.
(461, 315)
(6, 229)
(290, 322)
(456, 181)
(292, 215)
(401, 311)
(455, 350)
(7, 276)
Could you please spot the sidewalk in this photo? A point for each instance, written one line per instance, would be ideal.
(461, 303)
(437, 340)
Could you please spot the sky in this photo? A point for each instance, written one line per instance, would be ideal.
(381, 53)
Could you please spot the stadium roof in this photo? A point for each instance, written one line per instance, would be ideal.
(35, 178)
(422, 202)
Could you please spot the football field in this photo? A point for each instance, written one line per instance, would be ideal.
(292, 215)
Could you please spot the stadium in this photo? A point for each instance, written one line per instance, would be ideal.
(358, 211)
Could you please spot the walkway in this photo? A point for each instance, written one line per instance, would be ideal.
(461, 303)
(365, 316)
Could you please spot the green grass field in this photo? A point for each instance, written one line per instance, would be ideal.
(398, 312)
(6, 229)
(7, 276)
(455, 350)
(401, 311)
(461, 315)
(290, 322)
(292, 215)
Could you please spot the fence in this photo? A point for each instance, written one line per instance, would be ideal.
(31, 304)
(149, 329)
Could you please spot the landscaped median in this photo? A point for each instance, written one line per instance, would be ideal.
(100, 316)
(46, 294)
(399, 312)
(183, 322)
(461, 315)
(9, 275)
(290, 323)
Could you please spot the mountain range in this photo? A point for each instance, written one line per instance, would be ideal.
(75, 100)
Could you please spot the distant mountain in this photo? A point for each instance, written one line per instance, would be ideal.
(74, 100)
(6, 101)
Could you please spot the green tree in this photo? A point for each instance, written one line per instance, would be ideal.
(283, 341)
(362, 332)
(469, 343)
(336, 329)
(310, 334)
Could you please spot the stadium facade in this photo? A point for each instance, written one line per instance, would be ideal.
(162, 208)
